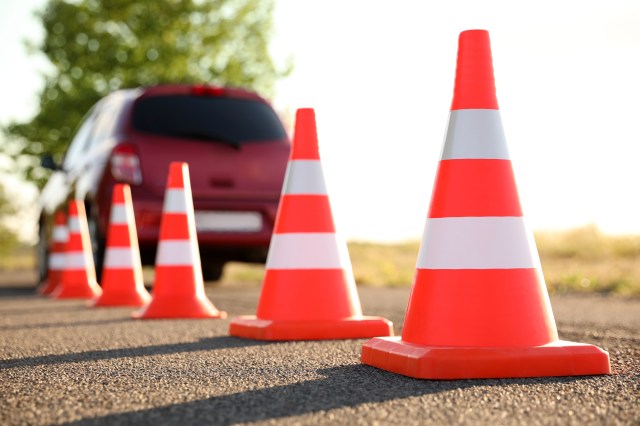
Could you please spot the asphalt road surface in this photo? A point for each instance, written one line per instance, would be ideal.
(62, 363)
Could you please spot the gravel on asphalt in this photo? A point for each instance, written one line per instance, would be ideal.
(61, 362)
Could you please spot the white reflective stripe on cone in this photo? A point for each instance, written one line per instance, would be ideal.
(176, 253)
(304, 177)
(477, 243)
(175, 201)
(121, 257)
(59, 233)
(57, 261)
(475, 133)
(308, 251)
(75, 260)
(118, 215)
(74, 224)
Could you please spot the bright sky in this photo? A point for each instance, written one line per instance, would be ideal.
(380, 76)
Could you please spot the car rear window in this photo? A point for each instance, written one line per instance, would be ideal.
(222, 119)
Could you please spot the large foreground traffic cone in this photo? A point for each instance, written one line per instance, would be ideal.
(122, 283)
(55, 263)
(178, 288)
(479, 307)
(308, 291)
(78, 277)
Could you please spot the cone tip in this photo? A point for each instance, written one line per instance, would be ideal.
(178, 173)
(120, 186)
(305, 112)
(74, 207)
(305, 136)
(475, 33)
(474, 85)
(121, 191)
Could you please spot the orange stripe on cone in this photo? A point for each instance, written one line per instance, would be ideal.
(317, 216)
(59, 238)
(321, 289)
(122, 283)
(305, 136)
(479, 306)
(178, 288)
(430, 321)
(475, 188)
(308, 292)
(119, 235)
(78, 277)
(176, 227)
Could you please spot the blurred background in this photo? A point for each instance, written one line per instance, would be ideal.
(380, 77)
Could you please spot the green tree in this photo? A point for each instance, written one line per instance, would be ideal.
(8, 237)
(97, 46)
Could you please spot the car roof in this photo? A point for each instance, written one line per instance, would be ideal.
(202, 89)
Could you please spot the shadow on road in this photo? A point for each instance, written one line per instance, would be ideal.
(345, 386)
(16, 291)
(210, 343)
(63, 324)
(58, 308)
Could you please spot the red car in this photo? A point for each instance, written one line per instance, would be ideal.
(236, 147)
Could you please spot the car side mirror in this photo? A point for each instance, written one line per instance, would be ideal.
(48, 162)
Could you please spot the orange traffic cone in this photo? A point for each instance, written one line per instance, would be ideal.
(308, 291)
(122, 283)
(479, 307)
(178, 288)
(78, 277)
(59, 237)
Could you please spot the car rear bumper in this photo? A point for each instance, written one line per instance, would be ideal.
(234, 245)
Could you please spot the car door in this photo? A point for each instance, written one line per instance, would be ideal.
(59, 186)
(96, 152)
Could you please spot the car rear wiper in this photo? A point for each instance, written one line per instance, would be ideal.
(215, 137)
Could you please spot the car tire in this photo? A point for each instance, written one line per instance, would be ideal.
(42, 252)
(212, 270)
(97, 242)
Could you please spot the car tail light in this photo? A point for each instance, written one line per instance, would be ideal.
(125, 164)
(204, 90)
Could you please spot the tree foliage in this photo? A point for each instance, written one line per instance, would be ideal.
(97, 46)
(8, 237)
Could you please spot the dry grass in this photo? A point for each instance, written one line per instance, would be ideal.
(20, 259)
(585, 260)
(243, 273)
(384, 264)
(578, 260)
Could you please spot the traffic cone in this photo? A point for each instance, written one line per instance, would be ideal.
(479, 306)
(178, 288)
(59, 237)
(122, 283)
(308, 291)
(78, 278)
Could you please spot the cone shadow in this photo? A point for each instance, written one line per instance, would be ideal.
(63, 324)
(42, 310)
(345, 386)
(206, 344)
(8, 292)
